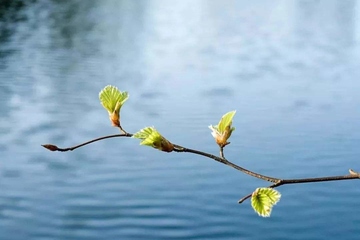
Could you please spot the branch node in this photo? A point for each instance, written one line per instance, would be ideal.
(122, 130)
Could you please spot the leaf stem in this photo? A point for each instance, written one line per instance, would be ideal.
(222, 152)
(123, 131)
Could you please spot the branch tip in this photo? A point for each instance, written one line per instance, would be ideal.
(244, 198)
(353, 173)
(50, 147)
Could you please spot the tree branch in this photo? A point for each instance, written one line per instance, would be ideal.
(352, 175)
(178, 148)
(226, 162)
(276, 181)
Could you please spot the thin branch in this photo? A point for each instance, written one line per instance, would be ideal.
(276, 181)
(226, 162)
(177, 149)
(55, 148)
(311, 180)
(352, 175)
(244, 198)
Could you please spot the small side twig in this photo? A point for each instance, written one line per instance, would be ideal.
(244, 198)
(352, 175)
(122, 130)
(222, 152)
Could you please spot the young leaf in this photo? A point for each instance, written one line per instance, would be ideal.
(144, 133)
(152, 138)
(225, 121)
(263, 199)
(112, 98)
(223, 130)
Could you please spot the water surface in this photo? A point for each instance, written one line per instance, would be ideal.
(289, 68)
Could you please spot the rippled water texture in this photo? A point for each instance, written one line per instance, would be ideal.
(289, 68)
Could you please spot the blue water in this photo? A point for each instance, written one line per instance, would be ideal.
(289, 68)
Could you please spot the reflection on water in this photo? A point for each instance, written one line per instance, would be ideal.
(289, 68)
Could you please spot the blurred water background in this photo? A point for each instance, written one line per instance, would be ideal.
(289, 68)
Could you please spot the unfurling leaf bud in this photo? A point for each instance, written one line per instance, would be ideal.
(112, 100)
(223, 130)
(151, 137)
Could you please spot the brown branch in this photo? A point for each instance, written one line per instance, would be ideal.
(311, 180)
(276, 181)
(177, 148)
(352, 175)
(226, 162)
(52, 147)
(244, 198)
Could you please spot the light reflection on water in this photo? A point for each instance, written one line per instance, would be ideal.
(289, 68)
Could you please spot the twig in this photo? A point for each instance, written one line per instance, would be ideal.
(311, 180)
(178, 148)
(352, 175)
(276, 181)
(55, 148)
(244, 198)
(226, 162)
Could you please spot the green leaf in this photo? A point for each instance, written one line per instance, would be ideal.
(225, 121)
(144, 133)
(112, 98)
(263, 199)
(152, 138)
(149, 135)
(223, 130)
